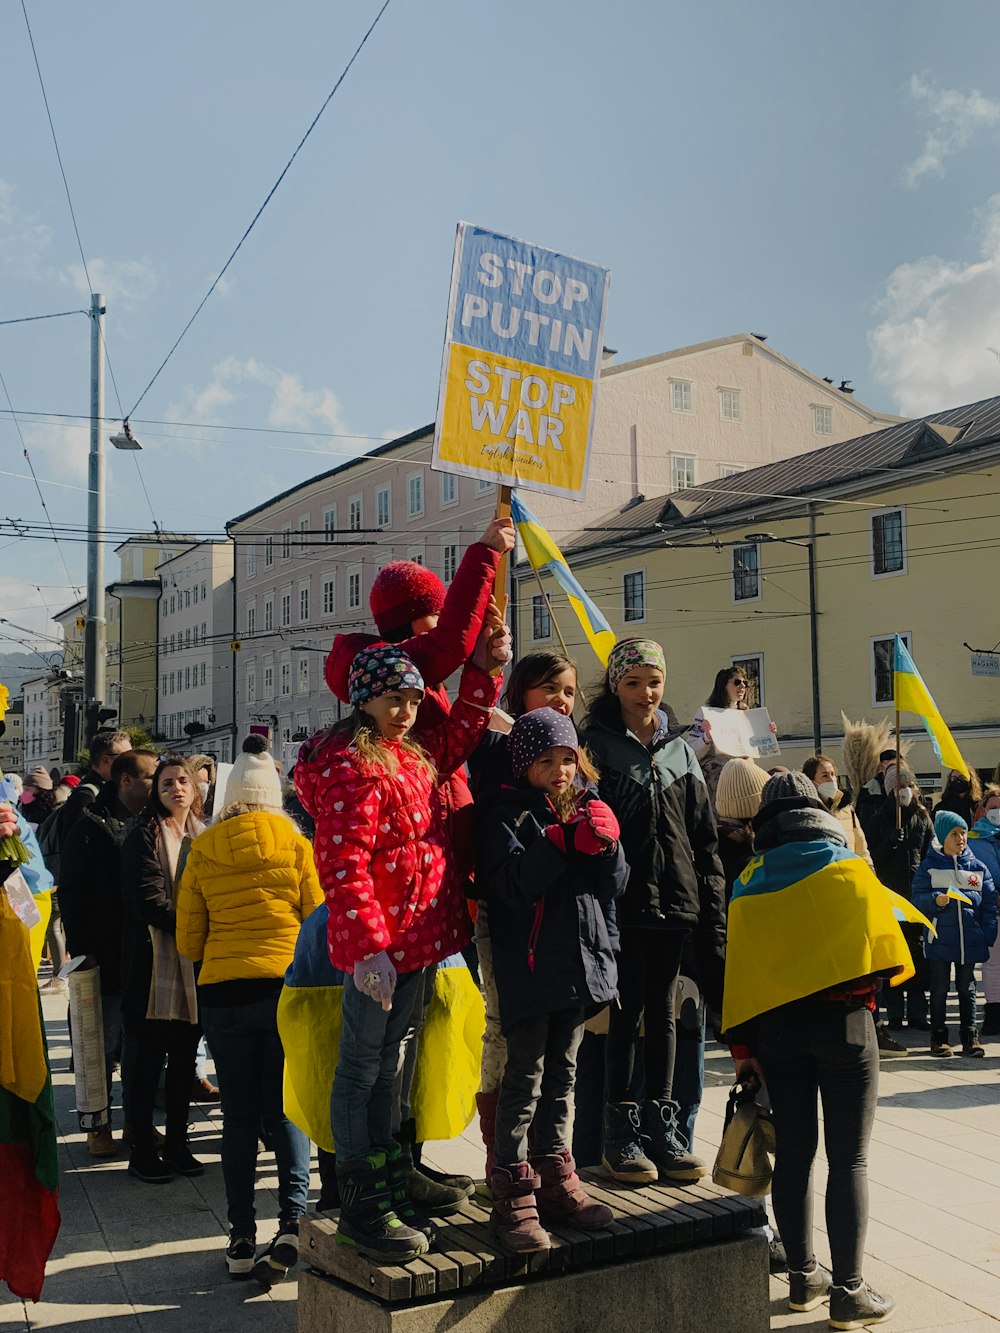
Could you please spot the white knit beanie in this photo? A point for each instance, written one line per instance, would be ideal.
(254, 779)
(740, 784)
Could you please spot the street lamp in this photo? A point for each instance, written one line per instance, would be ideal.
(807, 542)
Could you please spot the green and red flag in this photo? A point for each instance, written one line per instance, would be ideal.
(29, 1177)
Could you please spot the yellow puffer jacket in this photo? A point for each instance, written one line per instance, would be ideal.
(248, 884)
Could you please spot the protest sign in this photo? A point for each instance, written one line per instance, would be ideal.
(744, 733)
(521, 359)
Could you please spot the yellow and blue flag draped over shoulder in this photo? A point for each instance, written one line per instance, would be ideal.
(546, 558)
(912, 696)
(803, 918)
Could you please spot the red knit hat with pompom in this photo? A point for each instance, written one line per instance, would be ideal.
(403, 592)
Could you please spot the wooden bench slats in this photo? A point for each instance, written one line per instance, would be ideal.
(647, 1219)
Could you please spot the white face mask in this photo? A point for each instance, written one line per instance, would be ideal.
(905, 795)
(874, 787)
(827, 790)
(994, 817)
(203, 788)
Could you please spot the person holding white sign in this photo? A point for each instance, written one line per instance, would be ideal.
(726, 727)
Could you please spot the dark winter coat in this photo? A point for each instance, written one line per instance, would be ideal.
(83, 795)
(897, 854)
(867, 805)
(90, 890)
(148, 902)
(668, 829)
(965, 931)
(553, 928)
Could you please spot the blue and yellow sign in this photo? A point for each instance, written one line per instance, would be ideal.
(521, 359)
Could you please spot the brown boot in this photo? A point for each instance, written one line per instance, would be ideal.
(514, 1219)
(562, 1198)
(487, 1104)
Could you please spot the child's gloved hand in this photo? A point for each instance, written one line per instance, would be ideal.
(375, 977)
(597, 830)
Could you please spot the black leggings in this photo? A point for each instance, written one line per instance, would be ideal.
(818, 1046)
(648, 967)
(151, 1041)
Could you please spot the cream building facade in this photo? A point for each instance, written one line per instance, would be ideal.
(904, 529)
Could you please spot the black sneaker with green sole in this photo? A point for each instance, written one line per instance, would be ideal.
(367, 1220)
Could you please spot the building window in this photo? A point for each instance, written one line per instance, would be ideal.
(204, 631)
(330, 523)
(482, 485)
(303, 678)
(187, 678)
(268, 552)
(251, 620)
(286, 542)
(304, 602)
(634, 595)
(383, 507)
(752, 667)
(163, 683)
(541, 621)
(329, 596)
(449, 489)
(682, 471)
(286, 609)
(173, 605)
(416, 555)
(251, 561)
(251, 679)
(415, 495)
(888, 548)
(746, 573)
(187, 637)
(196, 594)
(268, 615)
(882, 667)
(822, 420)
(355, 514)
(187, 597)
(204, 673)
(194, 636)
(303, 533)
(730, 470)
(286, 678)
(353, 589)
(268, 682)
(730, 405)
(449, 561)
(680, 396)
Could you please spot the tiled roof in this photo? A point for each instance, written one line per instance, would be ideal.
(909, 444)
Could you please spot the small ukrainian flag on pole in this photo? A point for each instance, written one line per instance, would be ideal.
(913, 696)
(545, 557)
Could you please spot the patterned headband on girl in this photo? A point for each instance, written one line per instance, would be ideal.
(380, 669)
(631, 653)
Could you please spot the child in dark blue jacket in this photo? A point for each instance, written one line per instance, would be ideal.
(956, 892)
(550, 868)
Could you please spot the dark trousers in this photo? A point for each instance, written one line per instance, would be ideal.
(965, 984)
(914, 992)
(538, 1085)
(812, 1048)
(648, 967)
(150, 1041)
(250, 1063)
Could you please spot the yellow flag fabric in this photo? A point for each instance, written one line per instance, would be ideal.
(43, 901)
(805, 917)
(905, 911)
(545, 557)
(912, 696)
(23, 1067)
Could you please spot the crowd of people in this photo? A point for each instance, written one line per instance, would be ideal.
(611, 887)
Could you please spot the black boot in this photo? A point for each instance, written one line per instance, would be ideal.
(400, 1167)
(971, 1048)
(674, 1162)
(939, 1043)
(991, 1019)
(449, 1179)
(436, 1194)
(625, 1147)
(367, 1221)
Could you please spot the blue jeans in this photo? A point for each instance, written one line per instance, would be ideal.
(965, 984)
(250, 1063)
(362, 1098)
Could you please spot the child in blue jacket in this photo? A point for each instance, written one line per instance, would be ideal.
(956, 892)
(550, 868)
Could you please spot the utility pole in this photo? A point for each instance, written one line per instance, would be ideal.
(94, 651)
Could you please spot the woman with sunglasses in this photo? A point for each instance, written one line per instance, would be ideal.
(729, 691)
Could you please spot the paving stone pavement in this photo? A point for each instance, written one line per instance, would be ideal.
(135, 1256)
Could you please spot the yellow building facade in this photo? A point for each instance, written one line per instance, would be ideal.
(905, 533)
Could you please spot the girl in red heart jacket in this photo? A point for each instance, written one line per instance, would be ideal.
(396, 908)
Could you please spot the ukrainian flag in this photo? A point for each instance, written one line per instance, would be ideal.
(806, 917)
(546, 558)
(913, 696)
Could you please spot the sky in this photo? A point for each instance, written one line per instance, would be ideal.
(826, 175)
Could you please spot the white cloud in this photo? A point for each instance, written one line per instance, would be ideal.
(23, 239)
(59, 451)
(939, 318)
(956, 118)
(124, 283)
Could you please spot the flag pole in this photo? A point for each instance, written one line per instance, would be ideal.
(552, 614)
(899, 756)
(503, 511)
